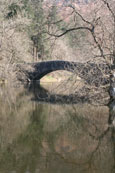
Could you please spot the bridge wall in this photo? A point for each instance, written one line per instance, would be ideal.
(92, 73)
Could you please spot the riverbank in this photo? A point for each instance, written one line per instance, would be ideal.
(58, 82)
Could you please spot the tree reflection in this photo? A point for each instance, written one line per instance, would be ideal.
(111, 122)
(58, 138)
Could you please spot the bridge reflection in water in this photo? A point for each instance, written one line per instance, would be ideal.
(62, 138)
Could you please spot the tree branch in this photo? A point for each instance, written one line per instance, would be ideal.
(69, 30)
(86, 21)
(108, 6)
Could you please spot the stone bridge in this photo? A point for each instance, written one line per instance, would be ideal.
(92, 73)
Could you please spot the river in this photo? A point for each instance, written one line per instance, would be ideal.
(41, 134)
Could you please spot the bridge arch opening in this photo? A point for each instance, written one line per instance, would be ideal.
(56, 76)
(61, 82)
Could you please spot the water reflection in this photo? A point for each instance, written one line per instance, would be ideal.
(39, 137)
(44, 96)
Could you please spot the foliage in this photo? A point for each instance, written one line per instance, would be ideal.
(13, 10)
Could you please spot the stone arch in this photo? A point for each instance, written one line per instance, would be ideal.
(92, 73)
(43, 68)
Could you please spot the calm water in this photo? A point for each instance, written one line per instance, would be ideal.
(39, 134)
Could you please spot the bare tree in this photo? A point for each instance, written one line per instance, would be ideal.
(97, 27)
(92, 27)
(14, 41)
